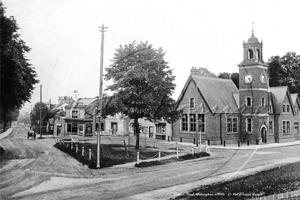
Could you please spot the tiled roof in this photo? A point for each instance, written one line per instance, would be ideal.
(294, 98)
(278, 94)
(220, 94)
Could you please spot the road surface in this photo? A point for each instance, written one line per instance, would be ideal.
(40, 171)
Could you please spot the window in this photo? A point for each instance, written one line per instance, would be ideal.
(271, 128)
(286, 108)
(258, 54)
(184, 122)
(263, 102)
(102, 126)
(192, 103)
(248, 101)
(201, 123)
(192, 122)
(249, 125)
(286, 126)
(231, 124)
(296, 127)
(161, 130)
(250, 54)
(296, 110)
(270, 108)
(74, 114)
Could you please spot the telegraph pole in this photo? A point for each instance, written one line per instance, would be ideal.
(40, 111)
(102, 30)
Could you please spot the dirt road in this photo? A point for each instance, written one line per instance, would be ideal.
(39, 171)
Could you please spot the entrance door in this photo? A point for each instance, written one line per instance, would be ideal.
(264, 135)
(58, 129)
(114, 128)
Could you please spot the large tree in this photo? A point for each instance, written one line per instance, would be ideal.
(142, 85)
(233, 76)
(285, 71)
(17, 77)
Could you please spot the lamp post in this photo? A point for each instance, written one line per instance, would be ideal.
(40, 111)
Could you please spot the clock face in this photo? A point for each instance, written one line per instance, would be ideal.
(263, 78)
(248, 78)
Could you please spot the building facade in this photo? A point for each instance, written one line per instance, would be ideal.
(255, 112)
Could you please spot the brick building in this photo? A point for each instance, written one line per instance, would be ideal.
(254, 112)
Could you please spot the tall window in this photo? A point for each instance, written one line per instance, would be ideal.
(184, 122)
(248, 101)
(258, 54)
(286, 126)
(270, 108)
(249, 125)
(192, 122)
(201, 123)
(263, 102)
(296, 127)
(271, 128)
(161, 130)
(192, 103)
(231, 124)
(250, 54)
(296, 110)
(74, 114)
(286, 108)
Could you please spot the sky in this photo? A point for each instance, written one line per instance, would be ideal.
(65, 40)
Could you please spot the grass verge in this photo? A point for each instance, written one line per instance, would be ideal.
(274, 181)
(111, 154)
(165, 161)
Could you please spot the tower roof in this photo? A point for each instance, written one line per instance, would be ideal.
(252, 40)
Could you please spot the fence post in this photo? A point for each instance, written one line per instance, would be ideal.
(68, 145)
(208, 142)
(194, 141)
(224, 143)
(180, 139)
(159, 155)
(90, 154)
(248, 142)
(138, 157)
(239, 143)
(168, 138)
(192, 150)
(82, 150)
(76, 148)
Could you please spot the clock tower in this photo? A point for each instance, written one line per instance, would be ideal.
(253, 92)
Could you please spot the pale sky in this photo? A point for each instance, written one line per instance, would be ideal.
(65, 39)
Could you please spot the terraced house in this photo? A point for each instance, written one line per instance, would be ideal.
(255, 112)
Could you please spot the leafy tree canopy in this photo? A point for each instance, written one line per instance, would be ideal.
(46, 113)
(233, 76)
(17, 77)
(143, 84)
(285, 71)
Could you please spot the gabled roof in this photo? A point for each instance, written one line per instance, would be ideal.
(278, 95)
(219, 94)
(295, 99)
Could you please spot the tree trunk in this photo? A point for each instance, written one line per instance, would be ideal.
(137, 131)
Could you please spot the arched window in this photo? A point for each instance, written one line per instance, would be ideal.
(258, 54)
(250, 54)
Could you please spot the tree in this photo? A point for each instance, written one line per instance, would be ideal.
(17, 77)
(202, 71)
(143, 84)
(233, 76)
(285, 71)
